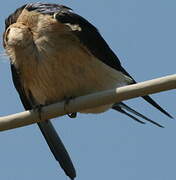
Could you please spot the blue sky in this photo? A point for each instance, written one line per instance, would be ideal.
(109, 145)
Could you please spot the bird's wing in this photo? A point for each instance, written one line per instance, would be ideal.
(52, 138)
(93, 41)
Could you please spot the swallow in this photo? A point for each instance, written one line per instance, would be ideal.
(55, 54)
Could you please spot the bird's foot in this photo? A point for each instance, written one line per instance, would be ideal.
(67, 100)
(38, 108)
(72, 115)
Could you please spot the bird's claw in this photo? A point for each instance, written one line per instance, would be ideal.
(38, 108)
(71, 115)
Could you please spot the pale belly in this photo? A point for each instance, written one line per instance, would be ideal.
(70, 73)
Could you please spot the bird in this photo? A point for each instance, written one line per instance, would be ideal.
(56, 55)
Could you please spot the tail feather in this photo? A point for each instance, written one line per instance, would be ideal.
(156, 105)
(118, 108)
(148, 98)
(57, 148)
(123, 106)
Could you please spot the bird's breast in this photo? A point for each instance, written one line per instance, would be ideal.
(58, 66)
(70, 71)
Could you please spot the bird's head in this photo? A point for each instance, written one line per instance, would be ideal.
(17, 35)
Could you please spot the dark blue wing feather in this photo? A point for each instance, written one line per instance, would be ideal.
(92, 39)
(45, 8)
